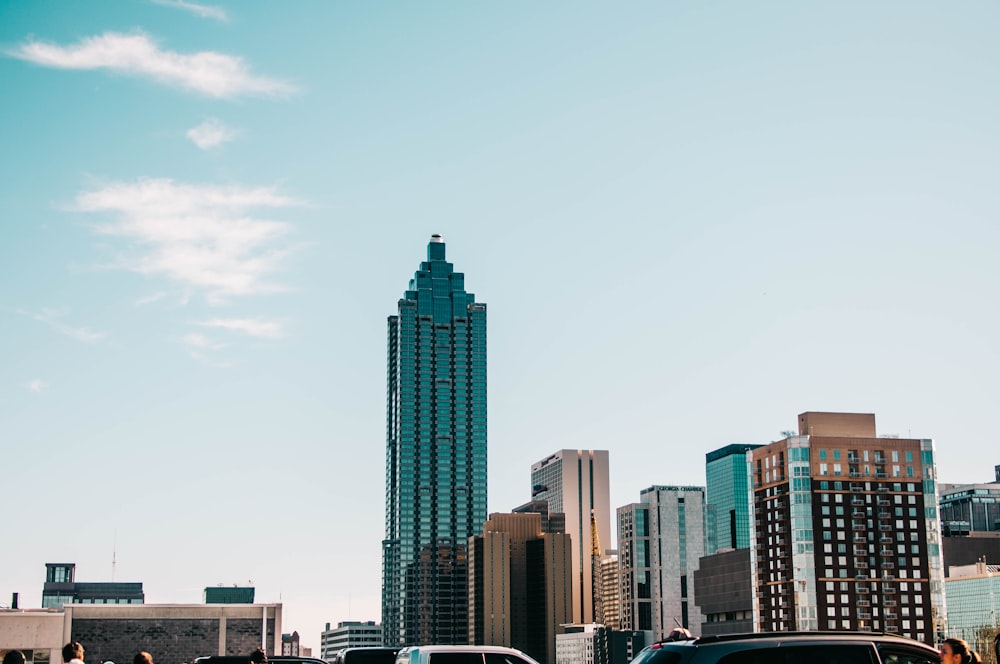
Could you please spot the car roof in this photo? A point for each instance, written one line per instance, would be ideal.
(880, 638)
(498, 649)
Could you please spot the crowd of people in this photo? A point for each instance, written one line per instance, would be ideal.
(72, 653)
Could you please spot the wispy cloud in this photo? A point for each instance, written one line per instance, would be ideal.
(52, 318)
(203, 349)
(200, 236)
(211, 134)
(204, 11)
(149, 299)
(208, 72)
(36, 385)
(255, 327)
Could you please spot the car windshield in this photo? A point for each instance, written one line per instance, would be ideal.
(662, 655)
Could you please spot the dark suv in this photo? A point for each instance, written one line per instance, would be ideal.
(791, 648)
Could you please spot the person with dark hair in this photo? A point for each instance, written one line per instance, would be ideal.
(957, 651)
(13, 657)
(72, 653)
(258, 656)
(142, 658)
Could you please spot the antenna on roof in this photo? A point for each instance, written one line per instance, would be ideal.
(114, 555)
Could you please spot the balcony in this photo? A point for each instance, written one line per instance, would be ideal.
(860, 577)
(860, 564)
(884, 502)
(860, 552)
(886, 552)
(863, 603)
(856, 475)
(885, 539)
(888, 577)
(857, 488)
(888, 564)
(889, 603)
(884, 527)
(853, 458)
(882, 475)
(888, 590)
(862, 590)
(856, 501)
(884, 514)
(859, 539)
(858, 526)
(891, 616)
(864, 615)
(880, 460)
(858, 514)
(883, 488)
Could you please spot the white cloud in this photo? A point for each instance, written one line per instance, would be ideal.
(207, 72)
(201, 342)
(149, 299)
(200, 236)
(204, 11)
(211, 134)
(36, 385)
(51, 317)
(255, 327)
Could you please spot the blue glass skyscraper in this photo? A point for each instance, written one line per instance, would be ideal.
(435, 465)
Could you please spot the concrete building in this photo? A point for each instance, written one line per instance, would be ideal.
(576, 483)
(61, 587)
(290, 644)
(349, 634)
(582, 644)
(435, 473)
(846, 532)
(723, 586)
(660, 540)
(115, 632)
(520, 584)
(968, 549)
(38, 633)
(727, 491)
(973, 596)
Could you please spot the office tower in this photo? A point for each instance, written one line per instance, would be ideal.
(723, 586)
(660, 540)
(575, 482)
(969, 508)
(727, 491)
(846, 531)
(973, 598)
(520, 585)
(610, 582)
(435, 466)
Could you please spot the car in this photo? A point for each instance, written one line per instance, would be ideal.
(245, 659)
(365, 655)
(791, 648)
(462, 655)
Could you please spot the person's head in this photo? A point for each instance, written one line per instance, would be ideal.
(13, 657)
(142, 658)
(957, 651)
(258, 656)
(72, 650)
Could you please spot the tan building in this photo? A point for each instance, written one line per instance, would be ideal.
(846, 534)
(610, 598)
(576, 483)
(520, 589)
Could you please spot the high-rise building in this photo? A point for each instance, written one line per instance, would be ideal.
(727, 490)
(660, 540)
(435, 468)
(969, 508)
(520, 587)
(610, 582)
(576, 483)
(846, 531)
(973, 594)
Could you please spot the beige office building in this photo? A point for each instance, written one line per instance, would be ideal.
(520, 589)
(576, 483)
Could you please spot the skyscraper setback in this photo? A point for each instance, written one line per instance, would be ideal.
(435, 465)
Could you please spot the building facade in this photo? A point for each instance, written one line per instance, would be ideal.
(723, 586)
(61, 587)
(229, 595)
(576, 483)
(969, 508)
(728, 495)
(610, 589)
(973, 596)
(846, 531)
(435, 496)
(660, 540)
(520, 585)
(349, 634)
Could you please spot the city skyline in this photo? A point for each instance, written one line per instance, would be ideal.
(690, 223)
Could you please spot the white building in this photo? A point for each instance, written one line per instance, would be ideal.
(582, 644)
(349, 634)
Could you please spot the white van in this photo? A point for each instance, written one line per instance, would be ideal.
(462, 655)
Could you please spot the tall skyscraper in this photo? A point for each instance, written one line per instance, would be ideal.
(576, 483)
(660, 540)
(727, 490)
(846, 531)
(435, 463)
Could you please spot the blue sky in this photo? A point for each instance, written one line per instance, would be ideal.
(690, 222)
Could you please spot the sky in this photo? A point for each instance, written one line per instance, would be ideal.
(689, 221)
